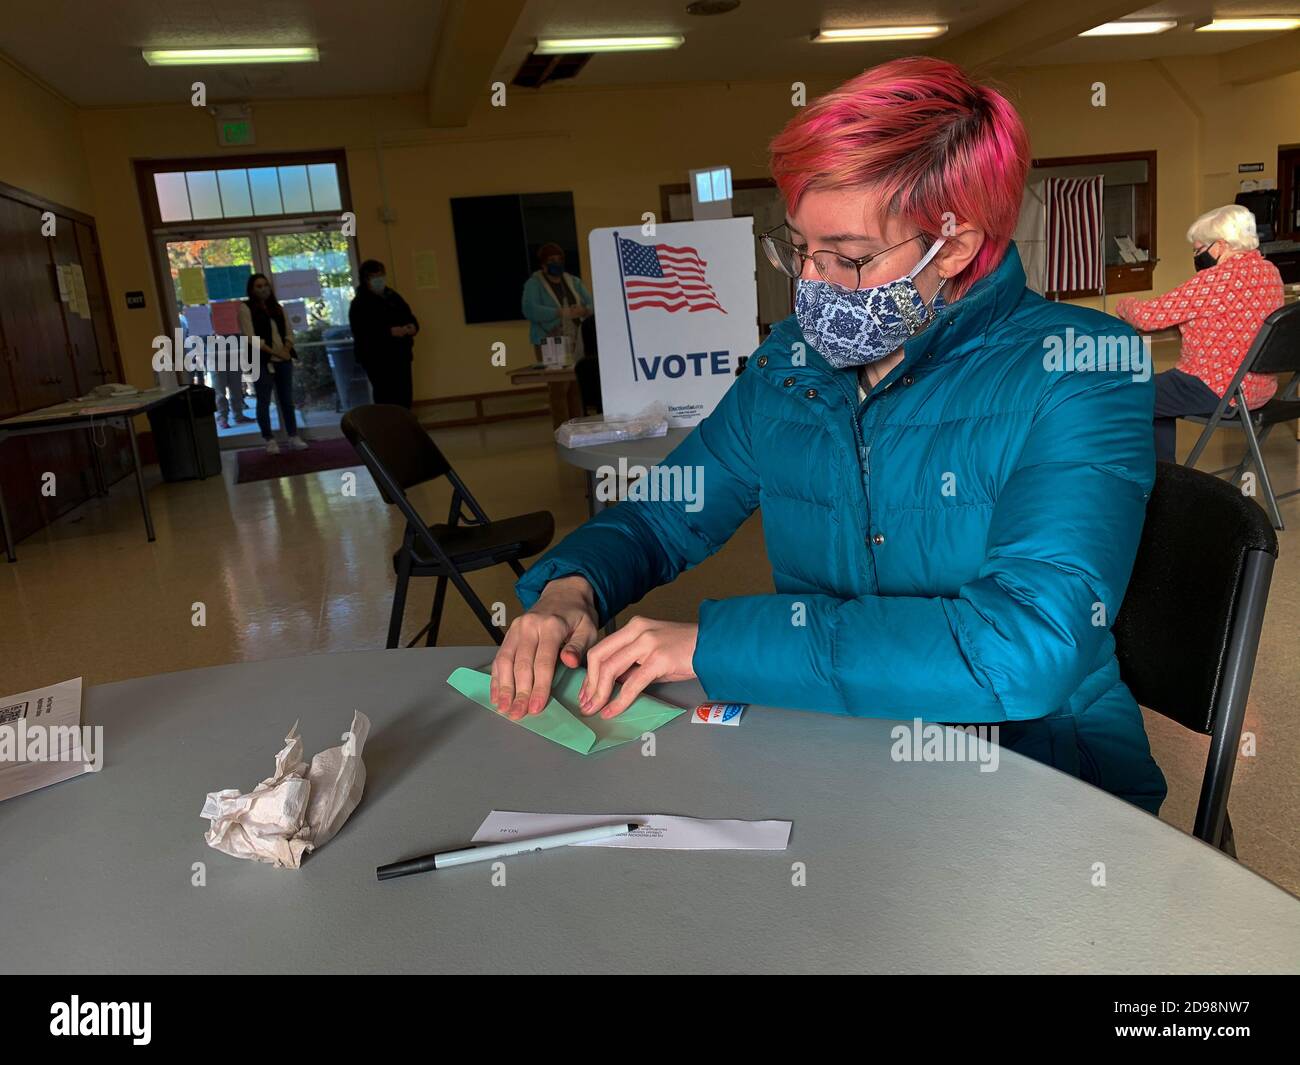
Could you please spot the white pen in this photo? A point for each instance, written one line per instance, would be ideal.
(429, 862)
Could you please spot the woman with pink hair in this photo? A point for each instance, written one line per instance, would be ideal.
(951, 509)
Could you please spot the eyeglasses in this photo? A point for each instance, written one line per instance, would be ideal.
(834, 268)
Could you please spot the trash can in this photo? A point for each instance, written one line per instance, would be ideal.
(350, 380)
(175, 445)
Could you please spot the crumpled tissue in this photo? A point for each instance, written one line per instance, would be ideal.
(295, 810)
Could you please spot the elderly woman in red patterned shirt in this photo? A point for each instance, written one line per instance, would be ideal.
(1218, 312)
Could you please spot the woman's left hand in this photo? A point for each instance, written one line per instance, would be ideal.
(641, 652)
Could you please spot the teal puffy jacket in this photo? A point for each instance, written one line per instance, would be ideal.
(954, 548)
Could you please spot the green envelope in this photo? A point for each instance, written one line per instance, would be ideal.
(562, 723)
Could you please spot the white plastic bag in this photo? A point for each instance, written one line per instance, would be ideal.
(597, 429)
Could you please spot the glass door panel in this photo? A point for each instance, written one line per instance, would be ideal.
(209, 279)
(312, 272)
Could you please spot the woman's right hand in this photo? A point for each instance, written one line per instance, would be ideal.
(561, 625)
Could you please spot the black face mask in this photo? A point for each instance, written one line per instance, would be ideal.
(1203, 260)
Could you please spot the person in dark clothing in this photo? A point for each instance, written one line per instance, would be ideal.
(262, 316)
(382, 328)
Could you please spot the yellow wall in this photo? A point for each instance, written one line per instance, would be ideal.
(613, 149)
(1200, 129)
(42, 151)
(1143, 112)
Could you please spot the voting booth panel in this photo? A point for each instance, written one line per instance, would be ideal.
(675, 311)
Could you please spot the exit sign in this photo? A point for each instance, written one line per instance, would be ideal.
(234, 132)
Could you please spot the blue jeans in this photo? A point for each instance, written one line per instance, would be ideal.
(281, 381)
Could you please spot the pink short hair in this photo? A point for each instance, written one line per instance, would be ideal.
(925, 136)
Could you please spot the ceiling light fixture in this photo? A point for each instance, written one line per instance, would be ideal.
(1130, 28)
(879, 33)
(191, 57)
(570, 45)
(1249, 25)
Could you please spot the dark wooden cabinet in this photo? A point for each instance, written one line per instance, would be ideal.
(82, 343)
(100, 317)
(48, 353)
(31, 316)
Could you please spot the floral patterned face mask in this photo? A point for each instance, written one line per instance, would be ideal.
(856, 328)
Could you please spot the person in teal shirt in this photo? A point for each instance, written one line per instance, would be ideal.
(950, 507)
(555, 302)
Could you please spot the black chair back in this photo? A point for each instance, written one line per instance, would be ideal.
(395, 438)
(1174, 630)
(1276, 347)
(1188, 630)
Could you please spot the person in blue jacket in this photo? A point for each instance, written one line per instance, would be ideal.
(555, 302)
(952, 471)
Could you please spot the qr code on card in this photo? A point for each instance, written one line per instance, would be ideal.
(10, 714)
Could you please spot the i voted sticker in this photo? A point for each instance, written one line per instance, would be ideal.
(718, 713)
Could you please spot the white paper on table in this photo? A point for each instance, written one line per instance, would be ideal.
(64, 748)
(664, 832)
(296, 809)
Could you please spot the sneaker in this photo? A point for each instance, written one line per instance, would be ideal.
(272, 447)
(223, 422)
(297, 443)
(244, 419)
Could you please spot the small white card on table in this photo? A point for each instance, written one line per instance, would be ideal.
(658, 832)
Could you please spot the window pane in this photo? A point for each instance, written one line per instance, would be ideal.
(173, 199)
(324, 187)
(234, 193)
(204, 200)
(293, 186)
(722, 183)
(266, 190)
(703, 187)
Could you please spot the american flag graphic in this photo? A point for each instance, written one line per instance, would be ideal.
(1075, 262)
(659, 275)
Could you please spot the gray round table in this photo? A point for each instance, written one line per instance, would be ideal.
(910, 867)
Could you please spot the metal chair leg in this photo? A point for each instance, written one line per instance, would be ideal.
(1274, 512)
(435, 616)
(1228, 842)
(399, 601)
(1204, 438)
(476, 605)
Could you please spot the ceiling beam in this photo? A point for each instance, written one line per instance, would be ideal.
(1255, 62)
(470, 41)
(1012, 38)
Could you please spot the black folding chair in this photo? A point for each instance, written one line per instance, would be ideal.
(1188, 630)
(1275, 350)
(400, 454)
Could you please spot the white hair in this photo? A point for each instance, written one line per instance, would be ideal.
(1233, 224)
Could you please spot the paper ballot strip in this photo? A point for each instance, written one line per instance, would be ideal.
(560, 721)
(664, 832)
(42, 740)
